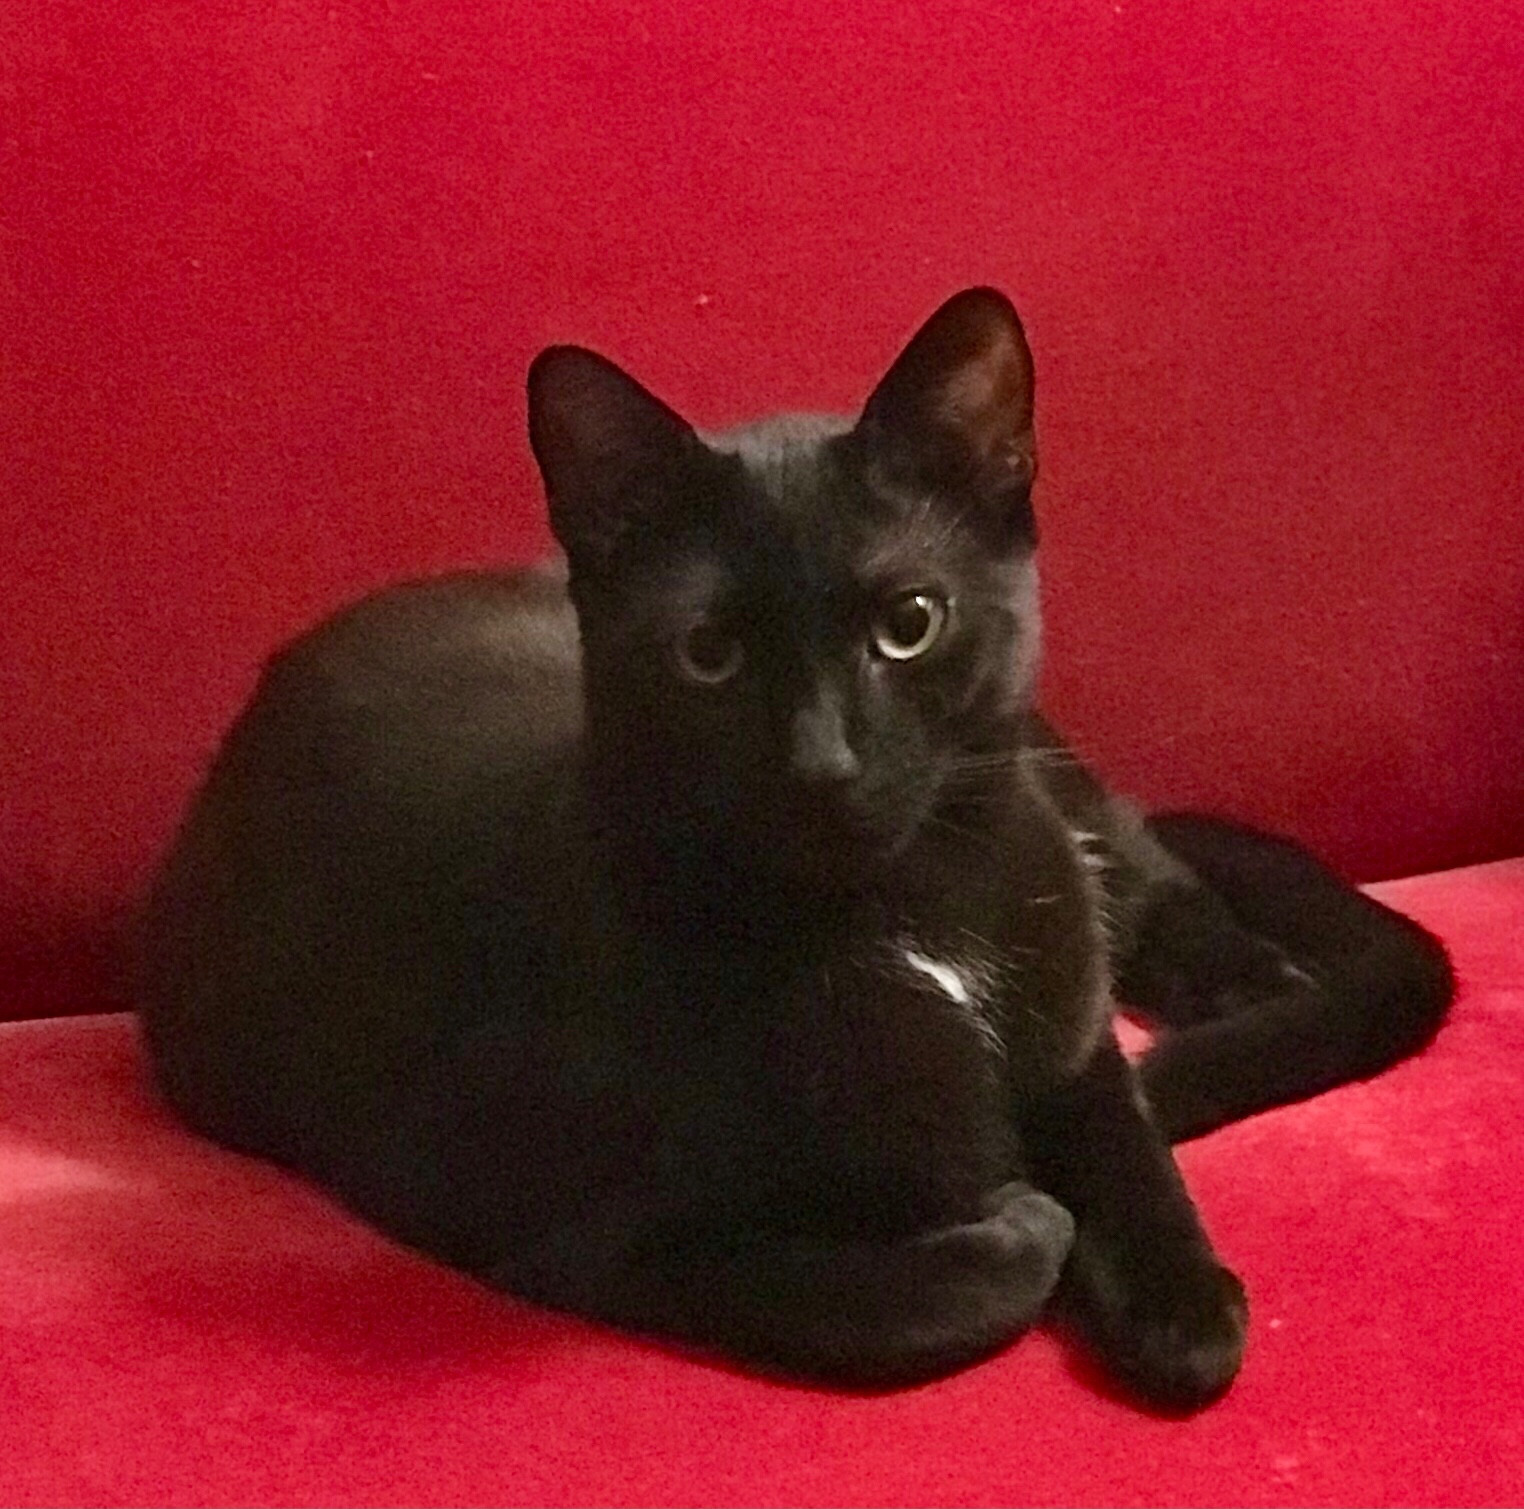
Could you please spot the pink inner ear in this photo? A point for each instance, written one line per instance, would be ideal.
(988, 401)
(970, 392)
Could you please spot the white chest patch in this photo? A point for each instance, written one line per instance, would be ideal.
(952, 984)
(967, 986)
(1092, 850)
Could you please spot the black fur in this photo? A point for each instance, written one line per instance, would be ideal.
(708, 948)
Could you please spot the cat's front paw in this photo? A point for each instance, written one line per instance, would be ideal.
(1032, 1227)
(946, 1298)
(1176, 1339)
(999, 1271)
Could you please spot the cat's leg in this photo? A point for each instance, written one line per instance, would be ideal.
(1276, 979)
(1143, 1288)
(855, 1314)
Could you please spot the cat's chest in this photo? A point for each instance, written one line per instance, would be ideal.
(900, 1059)
(926, 985)
(885, 1067)
(926, 999)
(1008, 945)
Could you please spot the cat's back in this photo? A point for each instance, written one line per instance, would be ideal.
(494, 652)
(416, 700)
(384, 802)
(416, 734)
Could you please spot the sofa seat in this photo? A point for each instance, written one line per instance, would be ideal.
(182, 1325)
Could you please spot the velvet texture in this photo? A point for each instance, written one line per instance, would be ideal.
(272, 275)
(182, 1326)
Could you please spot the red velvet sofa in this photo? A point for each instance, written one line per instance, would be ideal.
(271, 276)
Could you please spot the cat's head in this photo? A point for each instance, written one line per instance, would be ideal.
(804, 637)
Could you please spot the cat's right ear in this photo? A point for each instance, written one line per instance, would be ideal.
(605, 447)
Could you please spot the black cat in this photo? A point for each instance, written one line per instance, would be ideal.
(724, 948)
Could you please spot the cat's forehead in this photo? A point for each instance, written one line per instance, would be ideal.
(788, 480)
(780, 445)
(800, 507)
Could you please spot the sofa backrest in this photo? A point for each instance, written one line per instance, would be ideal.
(272, 276)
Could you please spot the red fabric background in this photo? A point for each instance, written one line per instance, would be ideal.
(181, 1326)
(271, 274)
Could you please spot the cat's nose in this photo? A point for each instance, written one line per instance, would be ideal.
(820, 753)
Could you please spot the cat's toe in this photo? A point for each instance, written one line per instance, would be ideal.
(1183, 1346)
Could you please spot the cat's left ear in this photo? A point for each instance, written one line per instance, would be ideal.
(953, 416)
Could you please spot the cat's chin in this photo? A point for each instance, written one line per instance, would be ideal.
(841, 856)
(843, 872)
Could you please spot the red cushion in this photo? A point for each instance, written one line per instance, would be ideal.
(184, 1326)
(272, 274)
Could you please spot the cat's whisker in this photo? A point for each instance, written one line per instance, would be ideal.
(993, 950)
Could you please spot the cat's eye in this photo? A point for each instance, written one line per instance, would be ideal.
(909, 625)
(709, 654)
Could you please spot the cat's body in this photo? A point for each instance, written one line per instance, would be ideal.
(730, 956)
